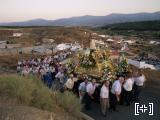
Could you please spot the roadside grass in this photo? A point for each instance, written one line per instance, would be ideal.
(152, 76)
(69, 102)
(30, 91)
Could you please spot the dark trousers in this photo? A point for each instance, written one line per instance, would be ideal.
(113, 101)
(127, 95)
(132, 95)
(133, 98)
(137, 92)
(88, 101)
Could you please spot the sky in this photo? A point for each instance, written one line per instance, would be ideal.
(21, 10)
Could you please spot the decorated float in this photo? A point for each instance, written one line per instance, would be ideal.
(98, 63)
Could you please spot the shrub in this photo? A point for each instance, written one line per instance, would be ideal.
(31, 91)
(69, 102)
(152, 76)
(16, 87)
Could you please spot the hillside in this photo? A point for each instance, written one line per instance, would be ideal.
(144, 25)
(33, 35)
(27, 98)
(89, 20)
(145, 30)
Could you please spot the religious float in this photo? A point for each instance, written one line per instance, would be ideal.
(98, 63)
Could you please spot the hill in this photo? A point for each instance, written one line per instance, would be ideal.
(36, 34)
(144, 25)
(27, 98)
(89, 20)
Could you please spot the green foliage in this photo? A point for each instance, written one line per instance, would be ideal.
(87, 61)
(70, 66)
(31, 91)
(69, 102)
(122, 67)
(145, 25)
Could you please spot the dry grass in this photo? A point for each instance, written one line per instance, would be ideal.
(152, 76)
(10, 61)
(59, 34)
(30, 91)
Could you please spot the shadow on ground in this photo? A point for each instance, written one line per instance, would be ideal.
(127, 112)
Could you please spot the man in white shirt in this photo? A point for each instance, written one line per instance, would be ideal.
(60, 77)
(90, 89)
(139, 83)
(115, 93)
(26, 71)
(70, 83)
(82, 89)
(104, 97)
(127, 89)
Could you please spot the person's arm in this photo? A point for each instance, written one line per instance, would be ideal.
(80, 90)
(144, 82)
(89, 92)
(117, 96)
(117, 93)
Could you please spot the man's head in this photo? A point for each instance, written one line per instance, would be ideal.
(106, 83)
(121, 79)
(129, 75)
(139, 72)
(94, 81)
(86, 81)
(71, 76)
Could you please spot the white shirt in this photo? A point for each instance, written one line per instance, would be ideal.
(90, 88)
(70, 83)
(116, 87)
(43, 72)
(104, 92)
(52, 69)
(128, 84)
(25, 72)
(60, 75)
(139, 81)
(82, 87)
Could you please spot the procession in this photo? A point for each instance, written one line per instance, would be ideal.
(91, 75)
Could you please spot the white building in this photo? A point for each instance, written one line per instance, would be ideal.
(46, 40)
(63, 46)
(17, 34)
(136, 63)
(129, 41)
(3, 44)
(110, 40)
(103, 36)
(94, 44)
(154, 42)
(141, 64)
(76, 47)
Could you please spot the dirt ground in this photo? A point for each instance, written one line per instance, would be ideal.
(9, 111)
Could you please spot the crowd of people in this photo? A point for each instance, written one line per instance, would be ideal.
(123, 90)
(41, 65)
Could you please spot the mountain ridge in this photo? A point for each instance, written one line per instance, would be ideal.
(89, 20)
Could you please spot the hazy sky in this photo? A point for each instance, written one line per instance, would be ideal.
(20, 10)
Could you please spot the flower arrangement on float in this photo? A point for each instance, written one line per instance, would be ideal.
(98, 63)
(70, 66)
(122, 67)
